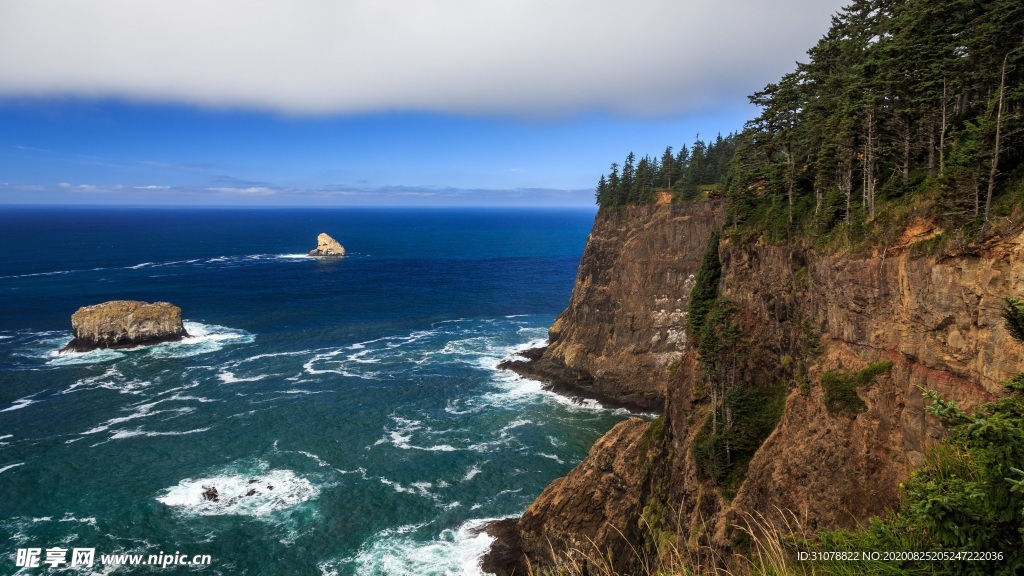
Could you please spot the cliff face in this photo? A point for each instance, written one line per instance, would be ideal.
(125, 323)
(626, 320)
(936, 318)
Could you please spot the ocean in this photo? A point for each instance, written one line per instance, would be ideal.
(357, 399)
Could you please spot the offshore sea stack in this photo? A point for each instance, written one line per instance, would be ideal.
(125, 324)
(327, 246)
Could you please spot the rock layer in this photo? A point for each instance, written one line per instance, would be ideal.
(125, 324)
(935, 317)
(327, 246)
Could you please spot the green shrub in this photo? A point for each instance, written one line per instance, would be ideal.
(968, 496)
(930, 246)
(841, 388)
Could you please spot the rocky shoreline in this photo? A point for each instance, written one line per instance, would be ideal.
(576, 385)
(506, 554)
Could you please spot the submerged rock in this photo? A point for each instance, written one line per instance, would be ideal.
(327, 246)
(125, 324)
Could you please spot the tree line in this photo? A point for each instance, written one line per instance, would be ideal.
(901, 98)
(901, 102)
(636, 182)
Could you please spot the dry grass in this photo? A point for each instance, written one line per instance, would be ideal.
(771, 552)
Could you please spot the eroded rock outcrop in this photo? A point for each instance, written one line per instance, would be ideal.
(626, 320)
(125, 324)
(327, 246)
(585, 506)
(934, 317)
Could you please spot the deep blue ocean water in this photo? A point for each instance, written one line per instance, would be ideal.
(363, 390)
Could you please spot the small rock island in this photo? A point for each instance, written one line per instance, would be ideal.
(327, 246)
(125, 324)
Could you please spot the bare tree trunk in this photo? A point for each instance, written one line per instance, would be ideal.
(869, 166)
(846, 182)
(714, 407)
(993, 169)
(975, 177)
(906, 155)
(790, 177)
(931, 152)
(864, 178)
(727, 413)
(942, 131)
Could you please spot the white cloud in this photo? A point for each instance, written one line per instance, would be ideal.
(340, 195)
(529, 57)
(249, 191)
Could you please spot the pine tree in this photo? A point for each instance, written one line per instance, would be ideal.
(668, 168)
(705, 286)
(615, 195)
(628, 178)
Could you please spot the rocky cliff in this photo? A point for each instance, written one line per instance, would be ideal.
(805, 314)
(626, 321)
(125, 324)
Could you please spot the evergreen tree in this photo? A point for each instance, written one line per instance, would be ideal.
(615, 195)
(628, 178)
(668, 168)
(602, 193)
(969, 494)
(896, 92)
(705, 287)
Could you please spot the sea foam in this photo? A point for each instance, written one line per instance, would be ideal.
(202, 339)
(455, 551)
(256, 495)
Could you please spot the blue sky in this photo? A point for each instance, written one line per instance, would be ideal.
(339, 103)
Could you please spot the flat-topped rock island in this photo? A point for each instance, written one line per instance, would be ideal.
(125, 324)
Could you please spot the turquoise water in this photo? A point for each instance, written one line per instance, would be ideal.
(363, 391)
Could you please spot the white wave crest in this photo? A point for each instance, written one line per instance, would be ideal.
(453, 552)
(6, 468)
(229, 377)
(20, 403)
(141, 411)
(201, 339)
(471, 473)
(401, 435)
(122, 434)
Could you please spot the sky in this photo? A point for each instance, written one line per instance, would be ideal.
(371, 102)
